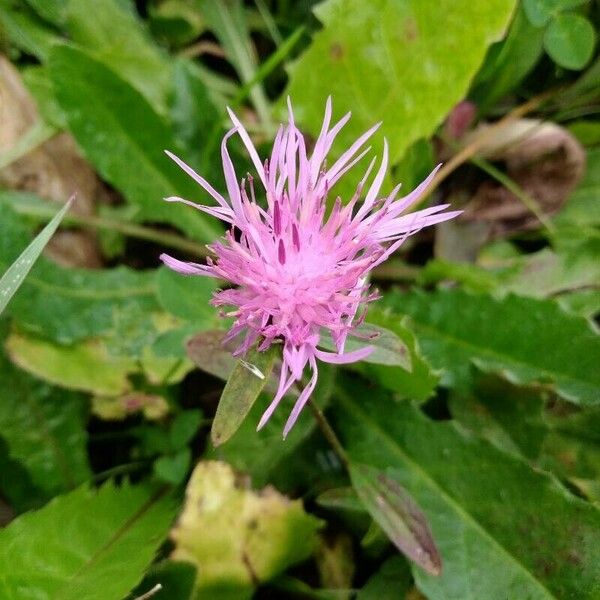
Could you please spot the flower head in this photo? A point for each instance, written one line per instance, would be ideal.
(298, 269)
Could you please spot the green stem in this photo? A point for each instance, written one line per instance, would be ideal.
(329, 434)
(170, 240)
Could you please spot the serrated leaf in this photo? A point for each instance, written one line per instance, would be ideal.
(393, 509)
(524, 339)
(243, 387)
(238, 537)
(87, 544)
(116, 37)
(394, 61)
(68, 305)
(503, 530)
(16, 273)
(44, 430)
(570, 41)
(125, 139)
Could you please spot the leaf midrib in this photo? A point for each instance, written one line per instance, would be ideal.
(554, 376)
(442, 492)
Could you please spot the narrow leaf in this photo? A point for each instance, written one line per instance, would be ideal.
(14, 277)
(397, 514)
(245, 383)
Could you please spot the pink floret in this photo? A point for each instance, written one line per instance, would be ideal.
(297, 270)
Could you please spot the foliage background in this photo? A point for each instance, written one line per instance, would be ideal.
(111, 367)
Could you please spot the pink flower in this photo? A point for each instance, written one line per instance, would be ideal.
(297, 270)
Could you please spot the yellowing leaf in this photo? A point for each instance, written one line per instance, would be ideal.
(236, 536)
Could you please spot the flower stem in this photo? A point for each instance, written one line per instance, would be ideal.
(329, 434)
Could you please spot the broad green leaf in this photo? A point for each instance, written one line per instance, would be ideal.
(115, 36)
(396, 61)
(176, 22)
(68, 305)
(393, 509)
(551, 435)
(524, 339)
(86, 366)
(570, 41)
(44, 431)
(418, 382)
(87, 544)
(502, 529)
(243, 387)
(187, 297)
(125, 139)
(390, 582)
(238, 537)
(16, 273)
(172, 468)
(539, 12)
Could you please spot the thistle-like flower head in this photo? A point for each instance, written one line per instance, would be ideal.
(298, 269)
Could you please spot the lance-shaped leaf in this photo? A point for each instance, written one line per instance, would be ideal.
(124, 138)
(393, 509)
(245, 383)
(16, 273)
(87, 544)
(503, 530)
(526, 340)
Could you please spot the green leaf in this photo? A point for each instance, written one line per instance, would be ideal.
(176, 578)
(395, 61)
(243, 387)
(524, 339)
(68, 305)
(583, 207)
(26, 30)
(16, 273)
(393, 509)
(508, 62)
(44, 430)
(86, 366)
(115, 36)
(125, 139)
(187, 297)
(421, 380)
(172, 468)
(503, 530)
(87, 544)
(50, 10)
(570, 41)
(238, 537)
(390, 582)
(539, 12)
(265, 455)
(184, 427)
(551, 435)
